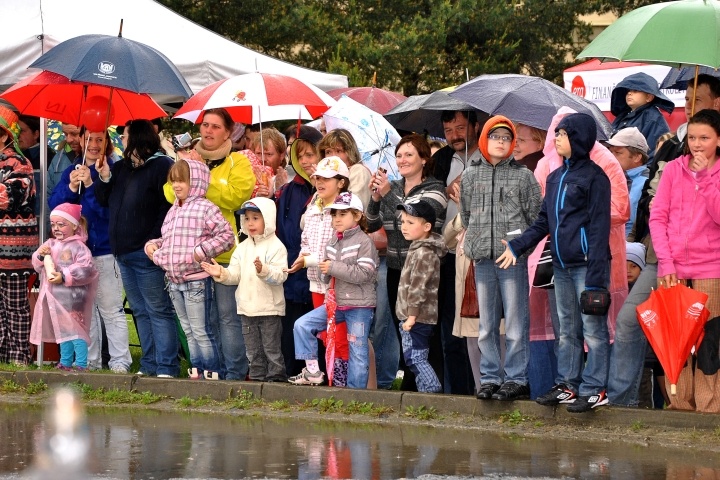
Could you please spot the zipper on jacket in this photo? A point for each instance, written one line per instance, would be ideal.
(692, 214)
(584, 242)
(557, 213)
(492, 217)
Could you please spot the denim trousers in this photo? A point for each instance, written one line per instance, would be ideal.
(382, 334)
(262, 341)
(627, 354)
(585, 378)
(416, 350)
(145, 289)
(192, 302)
(77, 349)
(358, 322)
(507, 290)
(226, 324)
(108, 310)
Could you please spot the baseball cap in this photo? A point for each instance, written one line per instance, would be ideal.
(249, 206)
(329, 167)
(629, 137)
(504, 125)
(345, 201)
(419, 209)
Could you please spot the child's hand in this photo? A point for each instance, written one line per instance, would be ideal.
(258, 265)
(214, 268)
(325, 266)
(44, 250)
(507, 258)
(408, 324)
(297, 264)
(150, 249)
(55, 278)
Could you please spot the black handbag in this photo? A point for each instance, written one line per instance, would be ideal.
(595, 302)
(544, 274)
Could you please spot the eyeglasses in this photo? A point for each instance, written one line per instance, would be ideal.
(500, 138)
(560, 134)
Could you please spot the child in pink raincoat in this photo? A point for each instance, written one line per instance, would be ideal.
(68, 281)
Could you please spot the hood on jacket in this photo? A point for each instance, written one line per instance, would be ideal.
(269, 212)
(312, 139)
(199, 178)
(489, 125)
(434, 241)
(582, 133)
(642, 82)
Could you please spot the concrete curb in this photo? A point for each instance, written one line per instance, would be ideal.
(398, 401)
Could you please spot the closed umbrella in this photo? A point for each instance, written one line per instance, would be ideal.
(532, 101)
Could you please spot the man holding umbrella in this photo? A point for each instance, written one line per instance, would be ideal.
(462, 130)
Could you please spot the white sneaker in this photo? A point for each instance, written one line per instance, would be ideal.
(307, 378)
(120, 369)
(211, 375)
(164, 375)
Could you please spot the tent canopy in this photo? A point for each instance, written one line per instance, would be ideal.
(32, 27)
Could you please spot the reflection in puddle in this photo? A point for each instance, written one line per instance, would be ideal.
(148, 444)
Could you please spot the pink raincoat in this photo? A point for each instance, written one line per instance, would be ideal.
(619, 215)
(63, 312)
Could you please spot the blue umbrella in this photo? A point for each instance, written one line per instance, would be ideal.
(115, 62)
(532, 101)
(678, 78)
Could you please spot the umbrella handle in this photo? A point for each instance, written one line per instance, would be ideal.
(673, 389)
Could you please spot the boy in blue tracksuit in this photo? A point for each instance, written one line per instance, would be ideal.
(576, 214)
(636, 102)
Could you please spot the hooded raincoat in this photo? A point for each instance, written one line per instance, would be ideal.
(259, 294)
(195, 228)
(619, 215)
(63, 311)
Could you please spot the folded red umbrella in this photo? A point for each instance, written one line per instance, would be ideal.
(673, 320)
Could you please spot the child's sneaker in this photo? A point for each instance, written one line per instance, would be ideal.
(307, 378)
(62, 367)
(560, 393)
(585, 404)
(194, 374)
(211, 375)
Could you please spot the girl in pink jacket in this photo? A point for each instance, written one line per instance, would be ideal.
(194, 230)
(68, 280)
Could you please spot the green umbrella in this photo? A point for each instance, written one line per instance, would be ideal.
(678, 34)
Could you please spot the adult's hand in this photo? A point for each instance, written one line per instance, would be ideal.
(453, 192)
(75, 181)
(83, 174)
(379, 185)
(669, 280)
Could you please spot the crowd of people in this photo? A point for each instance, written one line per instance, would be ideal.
(509, 261)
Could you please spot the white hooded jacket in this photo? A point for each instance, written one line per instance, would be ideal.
(259, 294)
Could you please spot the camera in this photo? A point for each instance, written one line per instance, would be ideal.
(182, 141)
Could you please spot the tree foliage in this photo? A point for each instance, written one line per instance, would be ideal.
(415, 46)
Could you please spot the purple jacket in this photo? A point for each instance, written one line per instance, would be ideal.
(195, 227)
(685, 221)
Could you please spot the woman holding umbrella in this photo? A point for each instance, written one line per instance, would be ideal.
(18, 241)
(231, 184)
(132, 189)
(415, 165)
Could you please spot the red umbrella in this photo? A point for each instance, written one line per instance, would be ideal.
(258, 97)
(377, 99)
(51, 95)
(673, 320)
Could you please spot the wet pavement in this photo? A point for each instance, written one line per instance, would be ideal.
(154, 445)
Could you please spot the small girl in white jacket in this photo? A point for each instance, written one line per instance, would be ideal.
(256, 267)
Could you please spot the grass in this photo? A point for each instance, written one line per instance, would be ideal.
(422, 413)
(513, 418)
(114, 396)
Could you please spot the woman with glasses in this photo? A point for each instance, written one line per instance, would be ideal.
(499, 199)
(77, 185)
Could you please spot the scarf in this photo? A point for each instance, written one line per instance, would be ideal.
(219, 153)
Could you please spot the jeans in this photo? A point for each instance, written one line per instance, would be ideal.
(416, 350)
(383, 336)
(227, 325)
(262, 339)
(627, 354)
(576, 327)
(507, 289)
(358, 322)
(77, 348)
(542, 370)
(192, 302)
(145, 289)
(108, 310)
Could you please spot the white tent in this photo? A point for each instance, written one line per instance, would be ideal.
(32, 27)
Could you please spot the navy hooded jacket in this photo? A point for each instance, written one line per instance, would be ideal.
(576, 209)
(647, 118)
